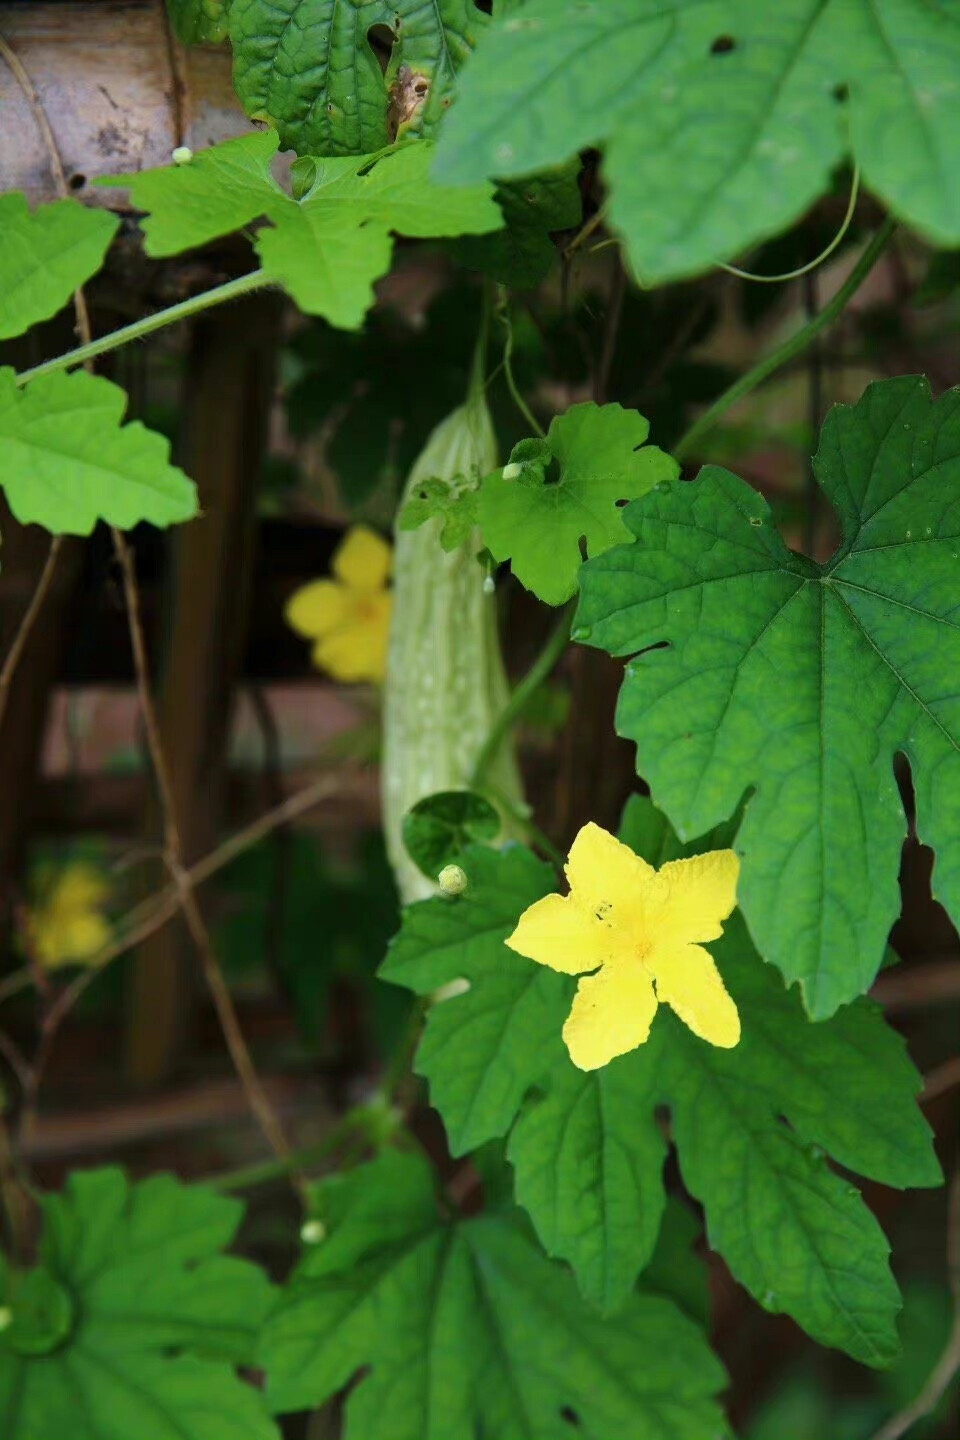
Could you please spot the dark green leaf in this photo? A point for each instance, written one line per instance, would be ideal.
(587, 1150)
(722, 121)
(440, 827)
(468, 1332)
(199, 22)
(522, 254)
(133, 1321)
(802, 681)
(308, 67)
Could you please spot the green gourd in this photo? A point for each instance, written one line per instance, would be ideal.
(445, 684)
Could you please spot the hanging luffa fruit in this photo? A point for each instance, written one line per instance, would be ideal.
(446, 683)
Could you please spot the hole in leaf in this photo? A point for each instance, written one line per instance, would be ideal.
(77, 181)
(841, 93)
(381, 39)
(570, 1416)
(723, 45)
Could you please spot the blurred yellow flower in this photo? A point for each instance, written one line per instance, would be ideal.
(348, 617)
(69, 927)
(637, 930)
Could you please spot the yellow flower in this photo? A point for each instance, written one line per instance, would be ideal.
(348, 617)
(69, 926)
(637, 930)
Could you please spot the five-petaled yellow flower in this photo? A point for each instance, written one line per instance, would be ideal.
(68, 926)
(640, 932)
(348, 617)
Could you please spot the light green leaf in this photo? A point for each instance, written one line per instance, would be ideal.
(455, 503)
(722, 120)
(132, 1321)
(468, 1331)
(587, 1149)
(199, 22)
(802, 681)
(220, 190)
(69, 461)
(556, 494)
(308, 67)
(46, 255)
(327, 247)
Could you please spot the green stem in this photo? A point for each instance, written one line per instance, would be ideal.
(255, 280)
(534, 678)
(790, 348)
(507, 362)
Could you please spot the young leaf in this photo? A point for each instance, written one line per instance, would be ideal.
(468, 1331)
(802, 681)
(132, 1321)
(441, 826)
(69, 461)
(722, 122)
(537, 520)
(455, 503)
(325, 248)
(46, 255)
(308, 67)
(588, 1152)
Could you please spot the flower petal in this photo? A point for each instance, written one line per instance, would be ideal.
(700, 893)
(689, 982)
(612, 1013)
(357, 650)
(363, 559)
(606, 876)
(317, 608)
(558, 932)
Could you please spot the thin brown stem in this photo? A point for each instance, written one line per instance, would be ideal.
(26, 625)
(219, 990)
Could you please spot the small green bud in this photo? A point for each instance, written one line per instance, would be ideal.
(513, 471)
(182, 155)
(452, 880)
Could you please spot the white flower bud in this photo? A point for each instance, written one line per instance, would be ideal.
(182, 155)
(313, 1232)
(452, 880)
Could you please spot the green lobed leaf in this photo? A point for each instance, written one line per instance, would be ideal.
(141, 1320)
(721, 120)
(539, 519)
(327, 247)
(803, 681)
(453, 502)
(483, 1050)
(46, 255)
(69, 460)
(440, 826)
(308, 67)
(199, 22)
(467, 1331)
(587, 1150)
